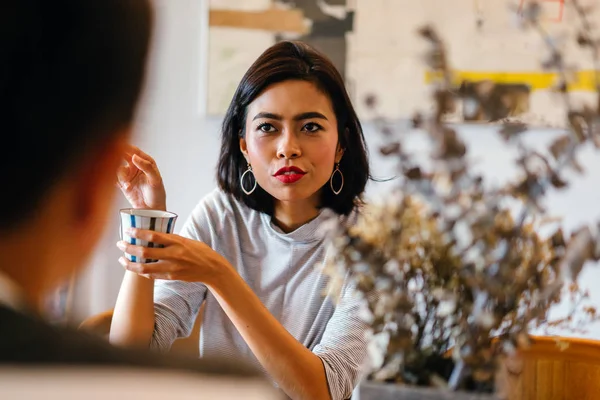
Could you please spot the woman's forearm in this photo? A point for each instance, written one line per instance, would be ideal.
(133, 318)
(297, 371)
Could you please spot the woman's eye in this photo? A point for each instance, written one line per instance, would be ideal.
(312, 127)
(267, 128)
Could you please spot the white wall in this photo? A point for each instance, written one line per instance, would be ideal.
(186, 146)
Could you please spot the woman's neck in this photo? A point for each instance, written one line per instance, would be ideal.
(289, 216)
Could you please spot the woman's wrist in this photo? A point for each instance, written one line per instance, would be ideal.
(224, 277)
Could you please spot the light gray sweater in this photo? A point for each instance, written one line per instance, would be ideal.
(281, 268)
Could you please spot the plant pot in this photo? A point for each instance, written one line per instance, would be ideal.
(369, 390)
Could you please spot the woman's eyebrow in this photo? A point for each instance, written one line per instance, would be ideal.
(299, 117)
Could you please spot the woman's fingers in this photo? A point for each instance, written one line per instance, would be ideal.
(156, 270)
(125, 263)
(123, 176)
(140, 251)
(153, 236)
(148, 167)
(133, 150)
(137, 161)
(152, 253)
(142, 160)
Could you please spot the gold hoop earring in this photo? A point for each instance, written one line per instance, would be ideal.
(248, 192)
(337, 169)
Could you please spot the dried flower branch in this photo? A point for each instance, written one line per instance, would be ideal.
(448, 264)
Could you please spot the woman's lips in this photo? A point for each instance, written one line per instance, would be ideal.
(289, 177)
(289, 174)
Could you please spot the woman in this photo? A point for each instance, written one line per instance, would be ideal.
(292, 145)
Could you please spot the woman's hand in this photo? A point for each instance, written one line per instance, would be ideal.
(140, 181)
(180, 259)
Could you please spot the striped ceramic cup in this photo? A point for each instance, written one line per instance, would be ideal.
(153, 220)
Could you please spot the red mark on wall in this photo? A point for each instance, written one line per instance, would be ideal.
(553, 9)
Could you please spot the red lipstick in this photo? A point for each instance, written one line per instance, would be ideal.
(289, 174)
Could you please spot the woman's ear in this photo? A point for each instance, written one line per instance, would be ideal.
(244, 148)
(339, 152)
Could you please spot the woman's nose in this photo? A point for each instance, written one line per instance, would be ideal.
(289, 146)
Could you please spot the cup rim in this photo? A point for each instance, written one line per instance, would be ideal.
(141, 211)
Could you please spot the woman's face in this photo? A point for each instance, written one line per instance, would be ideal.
(291, 140)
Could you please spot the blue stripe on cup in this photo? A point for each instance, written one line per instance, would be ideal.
(169, 225)
(152, 227)
(133, 241)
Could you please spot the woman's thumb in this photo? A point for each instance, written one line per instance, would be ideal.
(147, 167)
(142, 164)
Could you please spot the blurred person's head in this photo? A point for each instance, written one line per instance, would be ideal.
(291, 109)
(71, 72)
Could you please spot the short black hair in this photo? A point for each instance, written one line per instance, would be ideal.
(71, 72)
(294, 60)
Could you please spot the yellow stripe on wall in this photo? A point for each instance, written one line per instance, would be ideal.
(585, 80)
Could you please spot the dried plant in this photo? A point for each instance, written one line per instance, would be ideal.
(454, 273)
